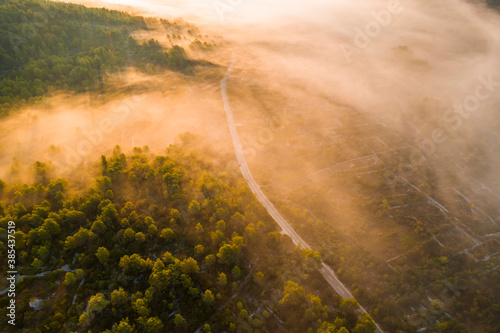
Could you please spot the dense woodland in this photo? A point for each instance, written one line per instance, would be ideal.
(45, 46)
(161, 244)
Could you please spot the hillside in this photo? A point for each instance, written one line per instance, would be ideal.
(47, 46)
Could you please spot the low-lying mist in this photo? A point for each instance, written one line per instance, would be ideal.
(135, 110)
(379, 56)
(428, 70)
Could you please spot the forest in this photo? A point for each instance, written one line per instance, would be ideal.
(167, 243)
(47, 46)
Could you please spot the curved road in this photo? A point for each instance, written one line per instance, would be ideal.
(326, 271)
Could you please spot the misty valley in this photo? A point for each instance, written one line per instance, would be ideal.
(237, 166)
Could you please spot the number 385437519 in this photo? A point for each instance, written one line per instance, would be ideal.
(11, 253)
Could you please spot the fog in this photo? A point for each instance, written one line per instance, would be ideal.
(71, 131)
(408, 64)
(428, 70)
(373, 55)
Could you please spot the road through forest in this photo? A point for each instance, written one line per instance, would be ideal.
(325, 270)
